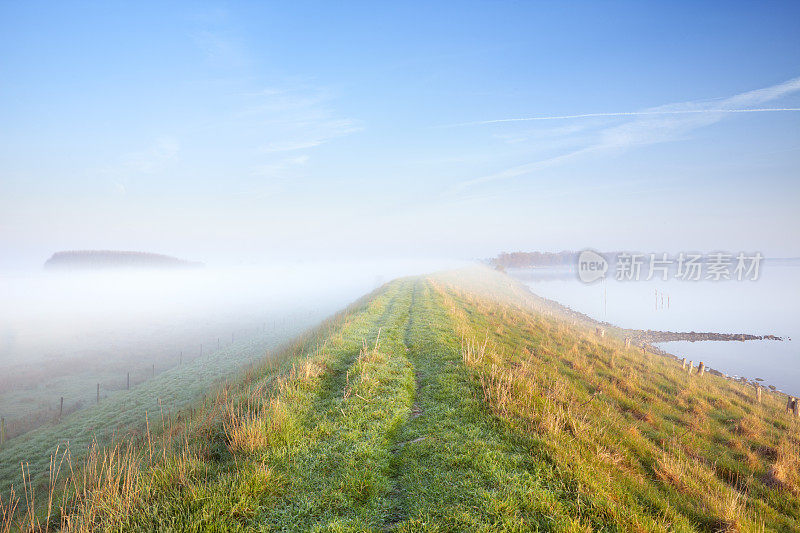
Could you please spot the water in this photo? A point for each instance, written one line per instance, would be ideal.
(769, 305)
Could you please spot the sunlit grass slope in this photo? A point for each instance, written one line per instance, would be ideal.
(454, 402)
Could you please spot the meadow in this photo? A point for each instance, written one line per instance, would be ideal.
(156, 390)
(457, 401)
(32, 388)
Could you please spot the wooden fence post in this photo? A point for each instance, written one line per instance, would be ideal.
(180, 360)
(683, 364)
(701, 368)
(128, 382)
(689, 368)
(627, 342)
(61, 408)
(758, 393)
(98, 393)
(201, 350)
(154, 370)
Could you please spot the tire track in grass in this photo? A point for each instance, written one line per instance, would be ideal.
(340, 473)
(397, 496)
(458, 469)
(584, 499)
(250, 488)
(260, 489)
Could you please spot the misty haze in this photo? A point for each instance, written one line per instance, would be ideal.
(446, 266)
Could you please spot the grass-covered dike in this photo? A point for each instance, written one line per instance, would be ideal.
(451, 402)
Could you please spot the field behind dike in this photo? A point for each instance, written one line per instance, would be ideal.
(451, 402)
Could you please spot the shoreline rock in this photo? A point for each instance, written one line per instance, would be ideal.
(645, 338)
(693, 336)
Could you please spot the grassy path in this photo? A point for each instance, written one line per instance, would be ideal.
(446, 469)
(341, 472)
(459, 469)
(442, 405)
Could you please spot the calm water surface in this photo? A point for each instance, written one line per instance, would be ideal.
(769, 305)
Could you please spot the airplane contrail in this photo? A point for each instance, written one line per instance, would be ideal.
(631, 114)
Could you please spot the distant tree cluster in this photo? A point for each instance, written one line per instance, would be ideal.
(114, 259)
(534, 259)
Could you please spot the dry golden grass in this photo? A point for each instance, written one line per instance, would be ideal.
(108, 484)
(785, 472)
(750, 426)
(105, 483)
(672, 470)
(245, 429)
(262, 420)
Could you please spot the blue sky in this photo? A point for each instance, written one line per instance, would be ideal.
(251, 131)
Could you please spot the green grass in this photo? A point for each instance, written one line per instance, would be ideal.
(124, 412)
(453, 402)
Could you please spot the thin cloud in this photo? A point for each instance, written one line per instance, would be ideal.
(221, 50)
(628, 114)
(650, 126)
(297, 120)
(163, 151)
(291, 146)
(740, 103)
(280, 168)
